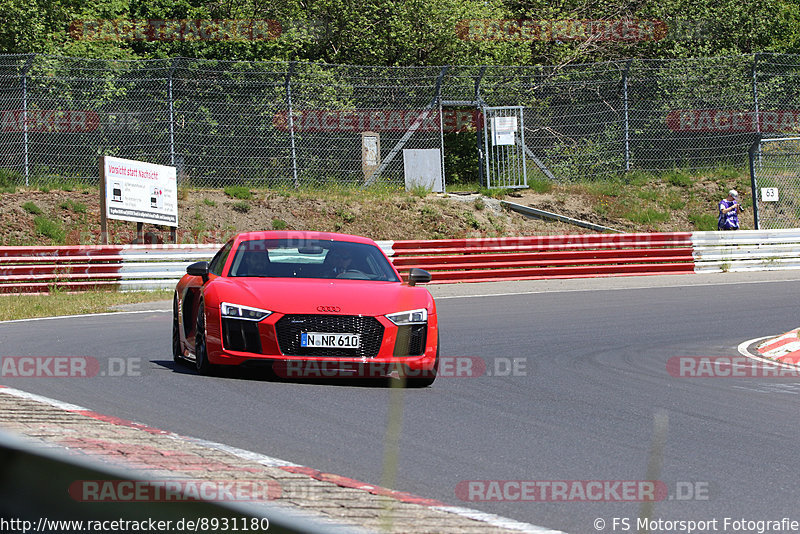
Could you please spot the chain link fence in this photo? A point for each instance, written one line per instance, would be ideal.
(290, 124)
(775, 174)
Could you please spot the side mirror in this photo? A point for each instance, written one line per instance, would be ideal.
(418, 276)
(199, 268)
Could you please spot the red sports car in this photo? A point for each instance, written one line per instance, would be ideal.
(309, 304)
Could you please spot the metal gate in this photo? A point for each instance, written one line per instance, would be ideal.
(504, 147)
(775, 182)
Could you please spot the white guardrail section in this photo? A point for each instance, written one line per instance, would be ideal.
(146, 269)
(746, 250)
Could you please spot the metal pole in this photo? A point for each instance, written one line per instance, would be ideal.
(522, 153)
(486, 125)
(756, 116)
(481, 123)
(171, 113)
(627, 125)
(441, 140)
(756, 146)
(25, 124)
(291, 120)
(25, 70)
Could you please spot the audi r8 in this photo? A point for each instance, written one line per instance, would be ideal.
(306, 304)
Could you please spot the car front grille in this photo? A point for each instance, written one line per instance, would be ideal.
(289, 328)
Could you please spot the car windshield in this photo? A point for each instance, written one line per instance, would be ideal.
(311, 258)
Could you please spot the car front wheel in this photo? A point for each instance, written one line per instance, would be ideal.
(177, 351)
(204, 367)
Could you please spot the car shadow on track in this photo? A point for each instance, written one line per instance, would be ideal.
(265, 373)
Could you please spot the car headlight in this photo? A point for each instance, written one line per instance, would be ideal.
(409, 317)
(237, 311)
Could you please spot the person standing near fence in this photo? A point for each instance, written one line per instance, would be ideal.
(729, 209)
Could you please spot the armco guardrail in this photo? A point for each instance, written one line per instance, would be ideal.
(75, 268)
(563, 256)
(747, 250)
(147, 267)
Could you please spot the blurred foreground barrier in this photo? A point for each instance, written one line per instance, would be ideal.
(148, 267)
(36, 488)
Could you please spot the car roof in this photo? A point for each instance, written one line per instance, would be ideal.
(303, 235)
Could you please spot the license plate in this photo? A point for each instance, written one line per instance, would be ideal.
(324, 340)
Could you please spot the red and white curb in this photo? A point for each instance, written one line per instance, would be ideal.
(784, 348)
(345, 482)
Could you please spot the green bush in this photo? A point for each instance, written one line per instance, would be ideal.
(540, 185)
(238, 191)
(345, 215)
(703, 221)
(647, 216)
(76, 207)
(49, 228)
(678, 178)
(32, 208)
(9, 180)
(242, 207)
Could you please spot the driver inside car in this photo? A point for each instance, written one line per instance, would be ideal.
(338, 261)
(253, 264)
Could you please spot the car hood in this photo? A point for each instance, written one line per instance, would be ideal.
(351, 297)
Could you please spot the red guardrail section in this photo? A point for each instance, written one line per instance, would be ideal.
(563, 256)
(75, 268)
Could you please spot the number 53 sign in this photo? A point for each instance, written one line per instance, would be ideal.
(769, 194)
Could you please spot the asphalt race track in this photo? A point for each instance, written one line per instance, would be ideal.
(591, 381)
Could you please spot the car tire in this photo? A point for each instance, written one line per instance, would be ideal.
(428, 376)
(204, 367)
(177, 350)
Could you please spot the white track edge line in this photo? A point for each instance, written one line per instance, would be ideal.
(262, 459)
(44, 400)
(121, 312)
(496, 520)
